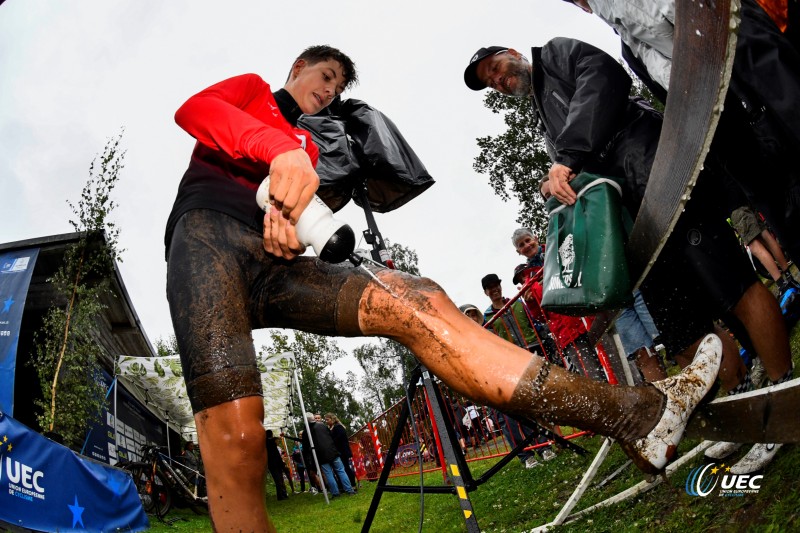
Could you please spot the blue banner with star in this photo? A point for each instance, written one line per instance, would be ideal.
(45, 486)
(16, 269)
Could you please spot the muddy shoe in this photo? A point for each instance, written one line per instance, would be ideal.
(722, 449)
(683, 391)
(756, 459)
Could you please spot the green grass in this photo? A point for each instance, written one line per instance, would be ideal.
(517, 500)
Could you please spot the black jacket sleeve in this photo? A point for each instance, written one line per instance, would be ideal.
(597, 106)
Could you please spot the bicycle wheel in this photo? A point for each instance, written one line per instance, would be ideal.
(407, 457)
(153, 492)
(140, 480)
(161, 495)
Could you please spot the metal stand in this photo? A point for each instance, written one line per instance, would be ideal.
(456, 466)
(372, 235)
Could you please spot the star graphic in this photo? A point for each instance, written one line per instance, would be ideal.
(7, 304)
(5, 438)
(77, 513)
(714, 470)
(9, 448)
(727, 469)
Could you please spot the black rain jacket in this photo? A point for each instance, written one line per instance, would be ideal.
(581, 101)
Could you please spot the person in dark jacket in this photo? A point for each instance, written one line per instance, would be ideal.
(275, 465)
(580, 99)
(328, 457)
(339, 434)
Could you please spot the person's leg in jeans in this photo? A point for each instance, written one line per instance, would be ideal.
(280, 487)
(513, 435)
(301, 473)
(636, 331)
(288, 474)
(348, 468)
(338, 468)
(330, 481)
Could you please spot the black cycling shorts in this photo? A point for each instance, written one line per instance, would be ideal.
(221, 285)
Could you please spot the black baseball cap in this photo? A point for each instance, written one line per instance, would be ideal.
(471, 72)
(489, 279)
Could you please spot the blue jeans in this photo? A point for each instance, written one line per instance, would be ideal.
(328, 470)
(635, 326)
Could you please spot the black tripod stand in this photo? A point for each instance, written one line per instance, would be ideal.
(457, 469)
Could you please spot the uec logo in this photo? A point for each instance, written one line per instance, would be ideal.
(700, 484)
(17, 472)
(696, 485)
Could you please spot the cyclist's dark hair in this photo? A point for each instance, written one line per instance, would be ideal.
(318, 53)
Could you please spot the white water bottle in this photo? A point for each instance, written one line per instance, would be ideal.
(332, 240)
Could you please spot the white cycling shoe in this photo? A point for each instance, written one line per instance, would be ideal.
(684, 392)
(756, 459)
(722, 449)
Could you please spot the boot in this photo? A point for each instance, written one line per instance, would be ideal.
(684, 392)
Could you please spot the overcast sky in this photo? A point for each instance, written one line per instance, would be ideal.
(73, 73)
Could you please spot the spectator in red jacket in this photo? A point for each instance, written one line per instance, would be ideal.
(569, 331)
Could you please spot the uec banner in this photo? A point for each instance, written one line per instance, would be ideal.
(45, 486)
(16, 269)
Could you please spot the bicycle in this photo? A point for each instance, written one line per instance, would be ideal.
(158, 478)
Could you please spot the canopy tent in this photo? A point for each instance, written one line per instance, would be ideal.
(158, 383)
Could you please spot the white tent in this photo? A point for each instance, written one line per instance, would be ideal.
(158, 383)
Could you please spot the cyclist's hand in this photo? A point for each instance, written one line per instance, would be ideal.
(292, 183)
(280, 237)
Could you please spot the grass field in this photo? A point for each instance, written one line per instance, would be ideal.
(517, 500)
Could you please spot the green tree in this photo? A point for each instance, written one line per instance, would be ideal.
(405, 259)
(67, 358)
(167, 346)
(516, 159)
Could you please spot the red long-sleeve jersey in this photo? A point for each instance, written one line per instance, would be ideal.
(240, 128)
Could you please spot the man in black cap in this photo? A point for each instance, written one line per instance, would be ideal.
(580, 101)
